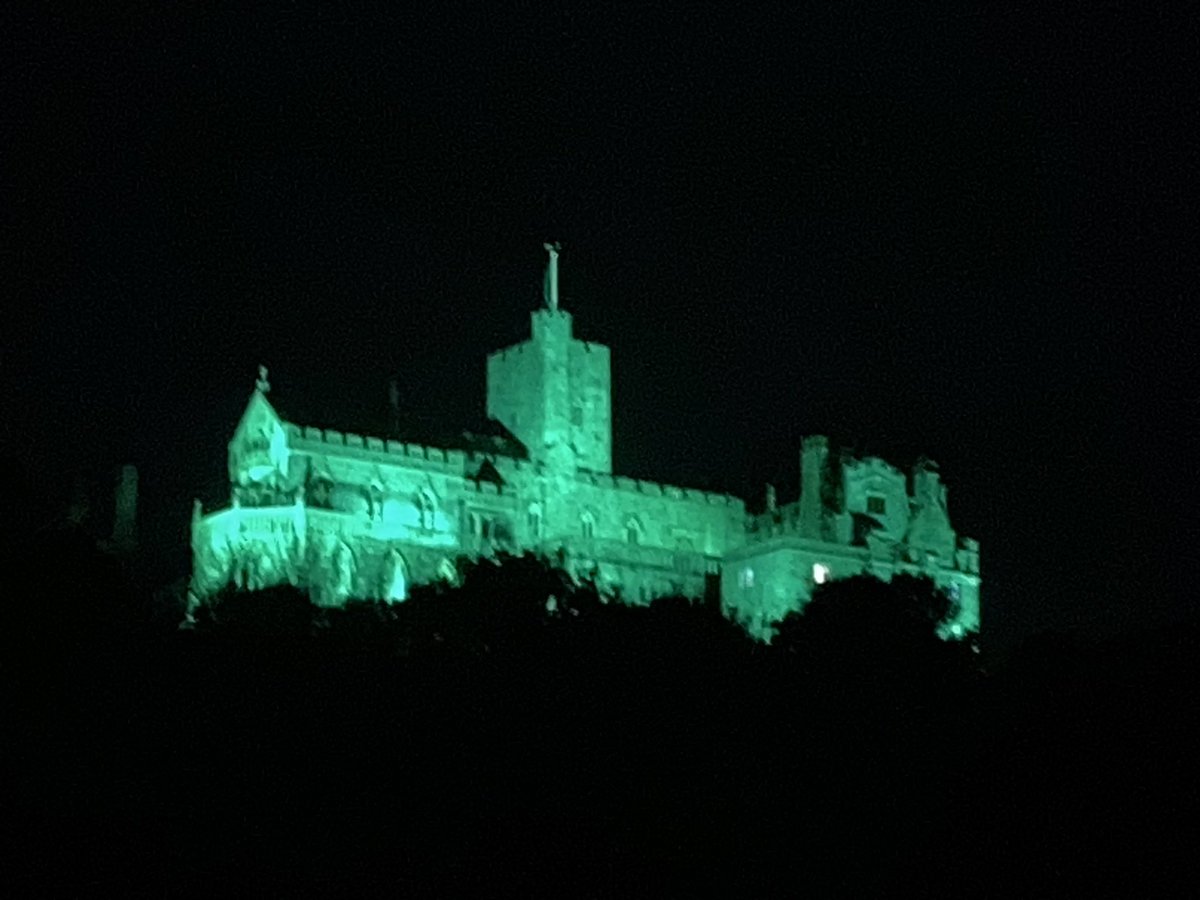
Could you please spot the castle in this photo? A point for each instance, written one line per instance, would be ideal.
(348, 516)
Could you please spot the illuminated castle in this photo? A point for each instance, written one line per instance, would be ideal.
(353, 517)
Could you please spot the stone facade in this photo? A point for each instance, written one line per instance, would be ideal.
(347, 516)
(854, 516)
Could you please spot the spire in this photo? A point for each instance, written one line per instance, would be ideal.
(550, 287)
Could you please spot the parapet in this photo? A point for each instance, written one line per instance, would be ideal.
(869, 466)
(514, 350)
(398, 451)
(374, 447)
(655, 489)
(486, 488)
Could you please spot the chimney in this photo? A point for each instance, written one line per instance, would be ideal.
(813, 455)
(771, 502)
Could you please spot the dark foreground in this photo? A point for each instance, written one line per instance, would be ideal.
(472, 744)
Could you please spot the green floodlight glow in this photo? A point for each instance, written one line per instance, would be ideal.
(347, 516)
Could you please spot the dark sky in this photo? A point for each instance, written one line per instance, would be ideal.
(946, 232)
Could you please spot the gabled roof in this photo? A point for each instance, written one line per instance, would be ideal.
(490, 436)
(260, 416)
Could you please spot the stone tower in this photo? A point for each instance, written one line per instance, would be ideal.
(554, 392)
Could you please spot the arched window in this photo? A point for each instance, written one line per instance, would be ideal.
(502, 533)
(375, 501)
(535, 521)
(395, 578)
(820, 573)
(342, 573)
(683, 554)
(587, 524)
(426, 504)
(633, 530)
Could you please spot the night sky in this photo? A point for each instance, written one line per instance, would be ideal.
(954, 233)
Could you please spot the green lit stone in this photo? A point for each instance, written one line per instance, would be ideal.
(347, 516)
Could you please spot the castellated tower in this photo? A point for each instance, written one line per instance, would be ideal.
(554, 392)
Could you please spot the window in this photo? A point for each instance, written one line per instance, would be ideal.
(633, 531)
(395, 587)
(746, 578)
(683, 555)
(426, 508)
(502, 532)
(876, 505)
(820, 573)
(535, 521)
(587, 524)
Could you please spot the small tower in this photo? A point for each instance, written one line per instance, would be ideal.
(813, 458)
(929, 529)
(258, 453)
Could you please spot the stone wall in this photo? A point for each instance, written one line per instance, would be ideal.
(591, 406)
(873, 482)
(514, 388)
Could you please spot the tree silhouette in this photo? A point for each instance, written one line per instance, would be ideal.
(877, 642)
(473, 726)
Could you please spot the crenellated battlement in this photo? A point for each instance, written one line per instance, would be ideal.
(511, 351)
(485, 488)
(655, 489)
(359, 445)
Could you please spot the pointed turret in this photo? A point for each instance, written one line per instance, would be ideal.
(258, 453)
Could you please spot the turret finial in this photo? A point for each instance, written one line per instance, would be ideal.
(550, 287)
(261, 384)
